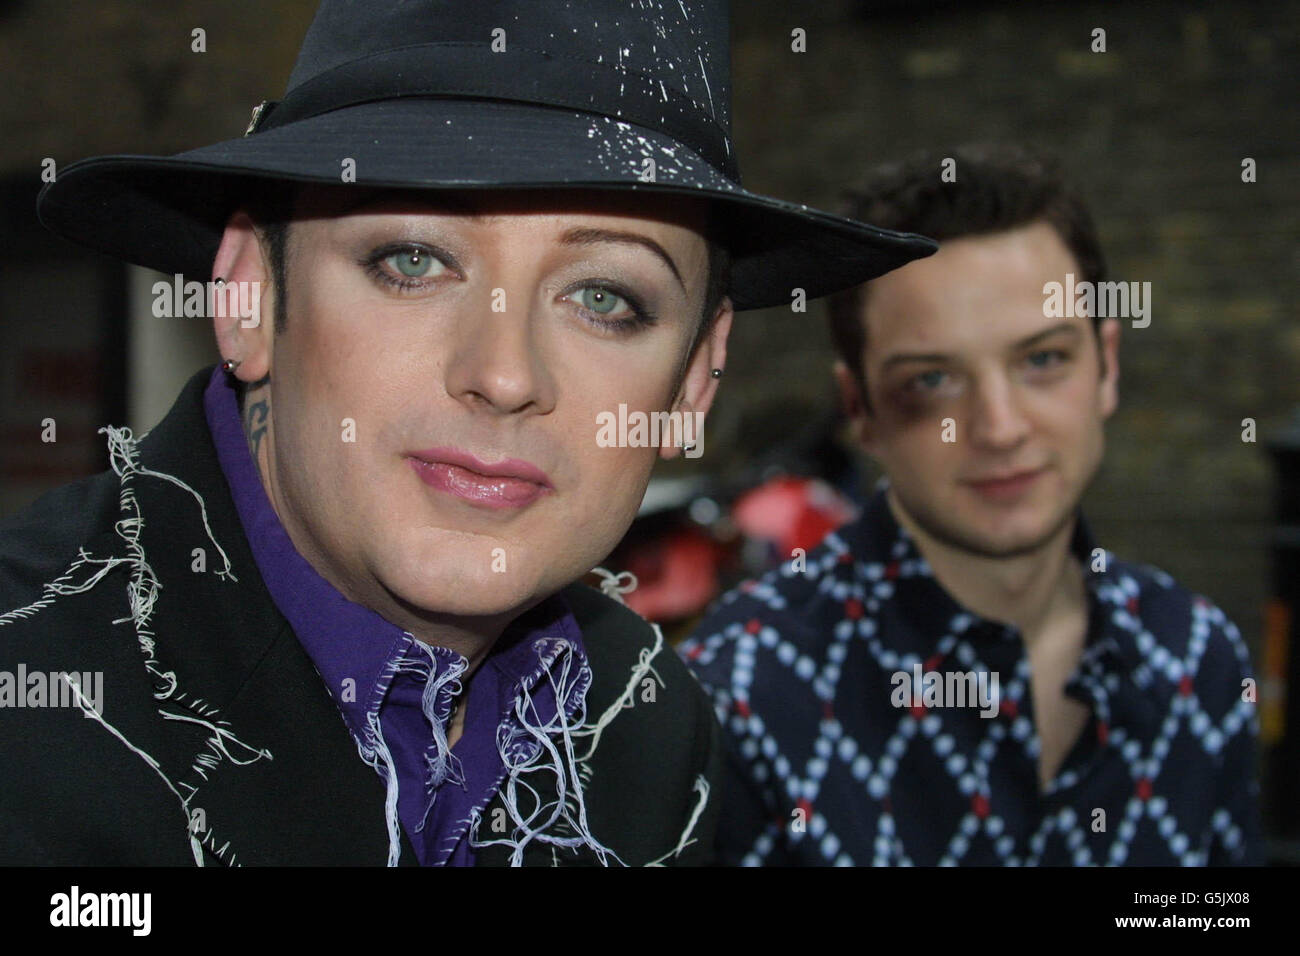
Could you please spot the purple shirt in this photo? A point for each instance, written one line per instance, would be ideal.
(394, 691)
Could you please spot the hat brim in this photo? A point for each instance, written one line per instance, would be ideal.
(168, 213)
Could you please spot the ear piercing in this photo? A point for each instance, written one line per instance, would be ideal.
(717, 373)
(229, 365)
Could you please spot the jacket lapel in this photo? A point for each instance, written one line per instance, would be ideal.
(277, 778)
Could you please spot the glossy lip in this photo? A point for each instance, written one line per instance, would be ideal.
(509, 483)
(1006, 486)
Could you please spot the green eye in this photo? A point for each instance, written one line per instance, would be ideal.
(931, 379)
(412, 263)
(601, 301)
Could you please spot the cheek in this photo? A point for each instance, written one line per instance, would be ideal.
(614, 462)
(350, 360)
(913, 443)
(333, 395)
(1071, 411)
(614, 483)
(612, 477)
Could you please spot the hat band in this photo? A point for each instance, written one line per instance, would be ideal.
(473, 71)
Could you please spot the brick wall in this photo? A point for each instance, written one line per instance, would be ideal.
(1154, 131)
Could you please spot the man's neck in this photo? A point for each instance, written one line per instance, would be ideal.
(1029, 591)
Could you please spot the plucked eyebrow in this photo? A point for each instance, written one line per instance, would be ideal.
(591, 236)
(1028, 342)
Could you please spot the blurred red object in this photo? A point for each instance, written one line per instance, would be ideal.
(791, 513)
(682, 566)
(677, 574)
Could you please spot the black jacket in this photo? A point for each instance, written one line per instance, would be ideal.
(218, 739)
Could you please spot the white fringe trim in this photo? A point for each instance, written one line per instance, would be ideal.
(89, 710)
(616, 585)
(142, 595)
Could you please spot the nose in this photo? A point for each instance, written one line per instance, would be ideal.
(998, 423)
(495, 364)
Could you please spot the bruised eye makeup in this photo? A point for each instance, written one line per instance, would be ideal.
(610, 307)
(602, 303)
(404, 266)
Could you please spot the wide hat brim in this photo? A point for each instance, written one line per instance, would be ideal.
(168, 213)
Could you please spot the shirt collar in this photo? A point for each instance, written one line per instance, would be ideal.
(881, 539)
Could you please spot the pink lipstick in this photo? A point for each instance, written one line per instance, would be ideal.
(509, 483)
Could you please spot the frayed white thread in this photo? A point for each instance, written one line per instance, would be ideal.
(527, 748)
(381, 759)
(210, 841)
(89, 710)
(442, 766)
(569, 810)
(616, 585)
(122, 456)
(627, 698)
(702, 788)
(374, 749)
(60, 586)
(142, 594)
(143, 587)
(220, 742)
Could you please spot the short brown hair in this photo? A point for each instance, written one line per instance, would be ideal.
(996, 187)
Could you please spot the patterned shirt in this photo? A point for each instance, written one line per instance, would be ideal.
(870, 719)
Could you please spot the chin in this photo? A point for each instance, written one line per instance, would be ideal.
(459, 595)
(1020, 534)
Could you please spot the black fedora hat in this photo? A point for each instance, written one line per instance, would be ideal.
(465, 94)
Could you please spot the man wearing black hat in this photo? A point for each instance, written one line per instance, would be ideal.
(484, 227)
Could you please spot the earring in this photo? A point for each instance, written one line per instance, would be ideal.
(688, 448)
(229, 365)
(717, 373)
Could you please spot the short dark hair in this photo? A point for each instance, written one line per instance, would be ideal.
(997, 187)
(272, 211)
(716, 287)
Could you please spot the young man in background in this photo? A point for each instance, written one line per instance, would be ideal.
(963, 676)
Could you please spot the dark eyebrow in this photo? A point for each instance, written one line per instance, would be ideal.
(589, 236)
(901, 357)
(1046, 334)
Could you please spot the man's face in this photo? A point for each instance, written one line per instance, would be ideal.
(435, 391)
(985, 415)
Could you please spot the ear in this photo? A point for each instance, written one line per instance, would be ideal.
(851, 402)
(245, 337)
(699, 387)
(1108, 386)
